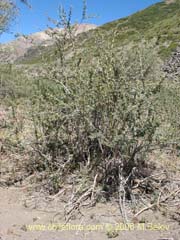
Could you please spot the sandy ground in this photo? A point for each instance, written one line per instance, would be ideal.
(15, 218)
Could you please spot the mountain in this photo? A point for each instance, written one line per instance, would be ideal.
(160, 22)
(18, 48)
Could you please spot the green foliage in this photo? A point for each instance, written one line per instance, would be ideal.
(8, 11)
(13, 84)
(169, 113)
(99, 114)
(15, 92)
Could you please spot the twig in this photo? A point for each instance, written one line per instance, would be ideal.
(122, 202)
(174, 193)
(77, 203)
(158, 201)
(94, 186)
(144, 179)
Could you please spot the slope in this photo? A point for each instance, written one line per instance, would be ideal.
(160, 22)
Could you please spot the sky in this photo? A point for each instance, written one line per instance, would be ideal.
(36, 19)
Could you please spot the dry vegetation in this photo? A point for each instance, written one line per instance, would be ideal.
(107, 129)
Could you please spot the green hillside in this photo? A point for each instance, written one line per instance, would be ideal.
(160, 22)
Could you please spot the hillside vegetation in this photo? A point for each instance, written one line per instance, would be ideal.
(90, 110)
(160, 22)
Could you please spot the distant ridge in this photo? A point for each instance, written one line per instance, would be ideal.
(9, 52)
(159, 23)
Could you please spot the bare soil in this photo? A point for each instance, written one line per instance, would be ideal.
(16, 214)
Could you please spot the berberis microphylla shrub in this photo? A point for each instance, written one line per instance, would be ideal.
(95, 109)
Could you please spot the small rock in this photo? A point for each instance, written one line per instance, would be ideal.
(24, 228)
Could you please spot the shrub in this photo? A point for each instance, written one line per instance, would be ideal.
(96, 109)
